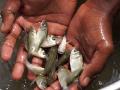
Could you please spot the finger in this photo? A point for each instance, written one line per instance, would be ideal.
(85, 77)
(19, 67)
(97, 62)
(73, 87)
(37, 88)
(73, 41)
(26, 25)
(56, 85)
(69, 47)
(10, 42)
(38, 62)
(8, 14)
(7, 21)
(49, 88)
(56, 29)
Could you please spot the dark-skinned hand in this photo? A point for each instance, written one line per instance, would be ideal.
(89, 31)
(20, 15)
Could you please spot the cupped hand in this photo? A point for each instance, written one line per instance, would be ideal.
(90, 31)
(21, 14)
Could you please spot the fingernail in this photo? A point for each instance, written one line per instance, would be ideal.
(86, 81)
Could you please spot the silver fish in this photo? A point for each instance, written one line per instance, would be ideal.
(40, 53)
(62, 46)
(35, 38)
(63, 74)
(76, 61)
(33, 68)
(51, 40)
(41, 82)
(66, 77)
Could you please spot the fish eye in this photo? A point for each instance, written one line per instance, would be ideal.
(75, 50)
(53, 38)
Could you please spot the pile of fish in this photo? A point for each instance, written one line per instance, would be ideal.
(52, 49)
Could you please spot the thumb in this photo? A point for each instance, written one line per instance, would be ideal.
(89, 71)
(7, 21)
(85, 76)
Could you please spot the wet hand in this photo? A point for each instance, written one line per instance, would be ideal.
(21, 14)
(90, 31)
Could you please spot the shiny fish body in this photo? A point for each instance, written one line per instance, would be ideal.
(33, 68)
(31, 40)
(76, 64)
(35, 38)
(76, 60)
(51, 40)
(66, 77)
(62, 46)
(41, 82)
(40, 53)
(63, 74)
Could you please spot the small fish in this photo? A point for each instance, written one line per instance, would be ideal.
(40, 53)
(63, 74)
(35, 38)
(41, 82)
(33, 41)
(51, 40)
(76, 60)
(66, 77)
(62, 46)
(52, 57)
(33, 68)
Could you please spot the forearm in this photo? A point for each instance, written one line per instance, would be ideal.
(108, 6)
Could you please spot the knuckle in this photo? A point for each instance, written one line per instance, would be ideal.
(4, 30)
(106, 47)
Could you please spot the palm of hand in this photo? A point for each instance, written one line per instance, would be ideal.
(92, 31)
(50, 10)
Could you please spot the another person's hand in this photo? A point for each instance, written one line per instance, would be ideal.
(21, 14)
(91, 27)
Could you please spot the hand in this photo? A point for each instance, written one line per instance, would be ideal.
(21, 14)
(90, 31)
